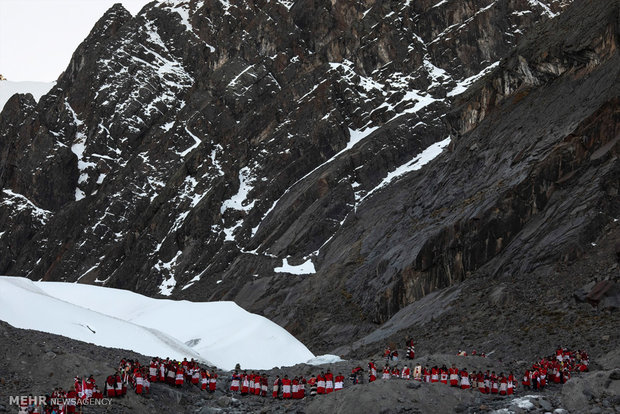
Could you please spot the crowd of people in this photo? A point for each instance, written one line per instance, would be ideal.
(130, 374)
(486, 382)
(168, 371)
(285, 387)
(556, 368)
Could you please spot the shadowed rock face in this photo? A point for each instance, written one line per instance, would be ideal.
(191, 149)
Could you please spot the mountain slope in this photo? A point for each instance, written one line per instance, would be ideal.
(196, 148)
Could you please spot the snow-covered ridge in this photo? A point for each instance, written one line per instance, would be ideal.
(219, 332)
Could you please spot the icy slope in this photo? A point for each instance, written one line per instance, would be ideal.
(25, 304)
(220, 332)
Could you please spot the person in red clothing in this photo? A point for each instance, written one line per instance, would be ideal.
(97, 394)
(212, 382)
(295, 388)
(276, 386)
(387, 353)
(339, 382)
(195, 375)
(405, 373)
(443, 375)
(465, 379)
(251, 382)
(410, 350)
(526, 379)
(503, 384)
(257, 383)
(435, 374)
(145, 382)
(161, 370)
(454, 376)
(172, 373)
(204, 380)
(245, 383)
(320, 383)
(480, 381)
(543, 377)
(510, 387)
(89, 386)
(329, 382)
(119, 385)
(235, 382)
(71, 400)
(286, 387)
(179, 376)
(494, 383)
(565, 375)
(264, 385)
(153, 370)
(427, 374)
(372, 371)
(110, 384)
(139, 383)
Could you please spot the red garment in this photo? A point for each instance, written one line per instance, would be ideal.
(320, 384)
(339, 382)
(286, 388)
(195, 376)
(245, 384)
(434, 375)
(465, 380)
(179, 378)
(213, 382)
(443, 376)
(203, 381)
(454, 377)
(526, 379)
(329, 382)
(295, 393)
(153, 371)
(276, 387)
(373, 371)
(110, 384)
(71, 401)
(480, 380)
(234, 384)
(139, 382)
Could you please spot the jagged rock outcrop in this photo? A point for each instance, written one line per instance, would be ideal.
(192, 150)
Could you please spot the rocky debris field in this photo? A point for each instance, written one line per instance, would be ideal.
(34, 363)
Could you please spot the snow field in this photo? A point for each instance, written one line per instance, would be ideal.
(221, 333)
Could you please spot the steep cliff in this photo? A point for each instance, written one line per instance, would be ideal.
(206, 149)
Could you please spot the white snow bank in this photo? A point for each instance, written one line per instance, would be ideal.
(10, 88)
(306, 268)
(24, 304)
(419, 161)
(324, 359)
(220, 332)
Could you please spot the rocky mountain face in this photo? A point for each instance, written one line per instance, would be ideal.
(211, 150)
